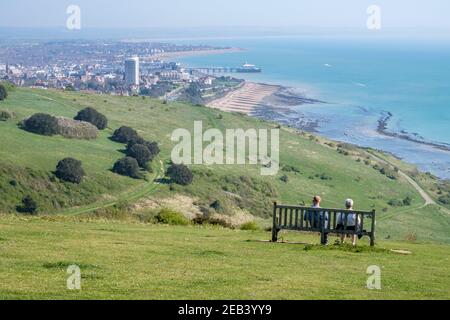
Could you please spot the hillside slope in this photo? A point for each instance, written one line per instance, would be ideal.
(334, 172)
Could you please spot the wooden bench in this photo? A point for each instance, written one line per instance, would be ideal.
(287, 217)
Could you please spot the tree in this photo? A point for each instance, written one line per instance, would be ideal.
(141, 153)
(127, 167)
(70, 170)
(124, 135)
(92, 116)
(3, 92)
(28, 206)
(180, 174)
(151, 146)
(42, 123)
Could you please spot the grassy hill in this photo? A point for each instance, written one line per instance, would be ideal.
(335, 172)
(123, 260)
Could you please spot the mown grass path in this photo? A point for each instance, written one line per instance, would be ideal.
(137, 193)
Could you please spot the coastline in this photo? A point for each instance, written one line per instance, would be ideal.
(382, 129)
(268, 102)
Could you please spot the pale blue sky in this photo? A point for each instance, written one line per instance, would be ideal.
(218, 13)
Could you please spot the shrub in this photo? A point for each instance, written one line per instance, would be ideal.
(127, 167)
(444, 200)
(170, 217)
(180, 174)
(218, 206)
(92, 116)
(289, 168)
(28, 206)
(41, 123)
(324, 176)
(141, 154)
(250, 226)
(76, 129)
(395, 203)
(284, 178)
(407, 201)
(3, 92)
(5, 115)
(70, 170)
(152, 147)
(124, 135)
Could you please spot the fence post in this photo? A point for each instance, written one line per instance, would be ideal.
(372, 232)
(274, 226)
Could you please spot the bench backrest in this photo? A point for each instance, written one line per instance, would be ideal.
(324, 220)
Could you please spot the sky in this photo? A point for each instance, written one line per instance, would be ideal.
(225, 13)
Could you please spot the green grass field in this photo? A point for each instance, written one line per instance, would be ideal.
(136, 261)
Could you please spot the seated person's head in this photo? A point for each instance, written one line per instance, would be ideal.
(316, 200)
(349, 204)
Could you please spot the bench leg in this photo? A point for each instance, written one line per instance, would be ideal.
(274, 234)
(323, 238)
(372, 240)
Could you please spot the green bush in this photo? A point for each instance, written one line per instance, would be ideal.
(92, 116)
(180, 174)
(28, 206)
(250, 226)
(127, 167)
(395, 203)
(151, 146)
(218, 206)
(124, 135)
(444, 200)
(141, 154)
(70, 170)
(5, 115)
(3, 92)
(41, 123)
(407, 201)
(284, 178)
(170, 217)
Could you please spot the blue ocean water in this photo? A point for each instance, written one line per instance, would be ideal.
(360, 79)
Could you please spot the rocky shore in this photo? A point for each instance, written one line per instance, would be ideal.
(413, 137)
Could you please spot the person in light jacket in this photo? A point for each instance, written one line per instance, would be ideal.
(351, 224)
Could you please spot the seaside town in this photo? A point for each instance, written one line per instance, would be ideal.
(118, 68)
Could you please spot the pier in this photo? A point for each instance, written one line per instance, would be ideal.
(212, 70)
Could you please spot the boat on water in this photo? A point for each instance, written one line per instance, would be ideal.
(248, 68)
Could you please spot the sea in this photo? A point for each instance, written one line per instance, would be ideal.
(361, 80)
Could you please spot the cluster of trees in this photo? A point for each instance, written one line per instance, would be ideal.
(140, 152)
(3, 92)
(48, 125)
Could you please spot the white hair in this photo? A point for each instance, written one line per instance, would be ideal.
(349, 203)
